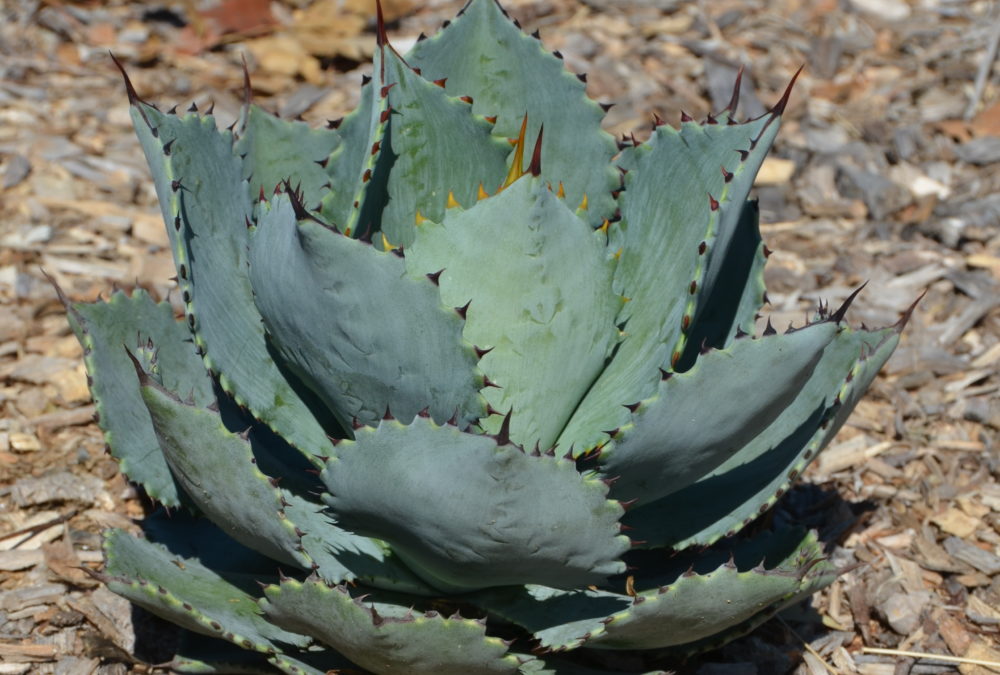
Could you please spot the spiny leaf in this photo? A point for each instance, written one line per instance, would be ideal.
(499, 517)
(206, 207)
(316, 289)
(669, 227)
(385, 637)
(105, 329)
(678, 436)
(276, 150)
(525, 79)
(189, 594)
(750, 481)
(217, 469)
(539, 294)
(440, 148)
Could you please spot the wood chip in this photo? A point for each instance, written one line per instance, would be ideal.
(20, 559)
(63, 561)
(981, 612)
(110, 614)
(984, 561)
(952, 631)
(65, 418)
(61, 486)
(853, 453)
(775, 171)
(954, 521)
(24, 442)
(42, 594)
(27, 652)
(981, 650)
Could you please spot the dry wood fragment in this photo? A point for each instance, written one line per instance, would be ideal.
(27, 652)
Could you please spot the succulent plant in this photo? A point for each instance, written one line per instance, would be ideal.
(466, 370)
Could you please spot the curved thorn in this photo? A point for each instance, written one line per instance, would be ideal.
(905, 318)
(734, 101)
(838, 316)
(133, 98)
(779, 107)
(535, 166)
(381, 40)
(503, 436)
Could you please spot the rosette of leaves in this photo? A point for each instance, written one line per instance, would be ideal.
(462, 385)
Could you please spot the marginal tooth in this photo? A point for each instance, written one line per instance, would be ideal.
(452, 202)
(517, 164)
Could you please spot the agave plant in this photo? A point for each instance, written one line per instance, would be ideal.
(465, 370)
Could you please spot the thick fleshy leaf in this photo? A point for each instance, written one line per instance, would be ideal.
(105, 329)
(346, 162)
(386, 638)
(678, 435)
(508, 75)
(360, 330)
(735, 234)
(441, 148)
(682, 202)
(684, 608)
(751, 481)
(538, 295)
(184, 591)
(465, 511)
(726, 313)
(276, 150)
(689, 609)
(359, 169)
(217, 470)
(206, 206)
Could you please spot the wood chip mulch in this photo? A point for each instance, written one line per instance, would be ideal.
(886, 170)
